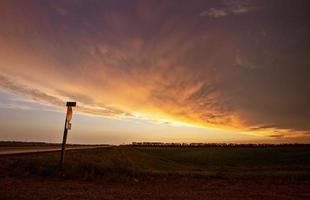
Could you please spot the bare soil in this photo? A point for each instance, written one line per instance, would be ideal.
(170, 187)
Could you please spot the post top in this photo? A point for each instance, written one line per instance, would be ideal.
(71, 104)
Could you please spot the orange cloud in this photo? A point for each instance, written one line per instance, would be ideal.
(171, 65)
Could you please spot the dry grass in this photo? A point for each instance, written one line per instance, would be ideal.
(158, 173)
(288, 162)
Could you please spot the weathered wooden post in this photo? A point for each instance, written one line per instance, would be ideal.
(66, 128)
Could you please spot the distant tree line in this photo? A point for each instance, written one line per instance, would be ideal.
(162, 144)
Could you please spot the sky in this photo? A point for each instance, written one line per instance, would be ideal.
(234, 71)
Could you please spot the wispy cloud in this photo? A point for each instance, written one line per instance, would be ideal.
(54, 100)
(214, 12)
(14, 106)
(234, 7)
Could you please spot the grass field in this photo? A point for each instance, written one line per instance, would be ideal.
(271, 172)
(242, 160)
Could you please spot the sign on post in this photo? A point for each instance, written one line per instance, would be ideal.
(66, 128)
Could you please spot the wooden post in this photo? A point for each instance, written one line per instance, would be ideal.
(64, 140)
(63, 146)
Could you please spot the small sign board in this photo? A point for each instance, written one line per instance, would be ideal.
(68, 126)
(71, 104)
(69, 114)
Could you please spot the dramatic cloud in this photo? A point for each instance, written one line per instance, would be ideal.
(56, 100)
(160, 59)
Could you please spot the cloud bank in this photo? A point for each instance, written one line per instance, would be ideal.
(161, 59)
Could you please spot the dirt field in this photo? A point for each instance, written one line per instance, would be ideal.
(152, 188)
(136, 173)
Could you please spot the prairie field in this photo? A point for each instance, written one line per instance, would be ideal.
(126, 172)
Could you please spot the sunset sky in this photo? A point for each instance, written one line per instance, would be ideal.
(162, 70)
